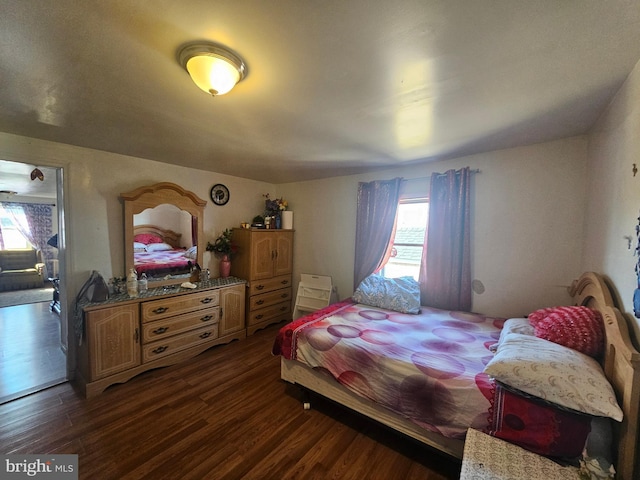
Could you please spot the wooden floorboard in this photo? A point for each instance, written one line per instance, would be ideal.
(224, 414)
(31, 357)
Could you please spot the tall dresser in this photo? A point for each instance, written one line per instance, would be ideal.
(265, 260)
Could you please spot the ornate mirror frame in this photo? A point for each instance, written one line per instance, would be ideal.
(151, 196)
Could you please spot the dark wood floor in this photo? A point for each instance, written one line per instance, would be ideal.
(30, 353)
(222, 415)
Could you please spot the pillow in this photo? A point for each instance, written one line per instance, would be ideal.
(513, 325)
(535, 317)
(191, 253)
(147, 238)
(579, 328)
(139, 247)
(398, 294)
(159, 247)
(554, 373)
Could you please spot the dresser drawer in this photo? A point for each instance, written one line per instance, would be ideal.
(271, 298)
(263, 314)
(168, 307)
(152, 331)
(275, 283)
(162, 348)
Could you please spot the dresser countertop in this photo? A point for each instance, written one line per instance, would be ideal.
(161, 292)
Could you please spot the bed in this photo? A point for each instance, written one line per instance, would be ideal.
(157, 252)
(448, 354)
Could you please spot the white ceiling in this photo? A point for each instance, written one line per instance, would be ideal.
(16, 182)
(334, 86)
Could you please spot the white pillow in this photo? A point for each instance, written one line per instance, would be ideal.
(554, 373)
(159, 247)
(400, 294)
(139, 247)
(191, 253)
(513, 325)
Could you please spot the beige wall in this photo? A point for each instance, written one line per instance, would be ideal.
(527, 223)
(614, 192)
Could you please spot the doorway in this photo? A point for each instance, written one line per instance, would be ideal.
(33, 353)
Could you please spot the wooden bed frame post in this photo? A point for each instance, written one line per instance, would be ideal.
(621, 364)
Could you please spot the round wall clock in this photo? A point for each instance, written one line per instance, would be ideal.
(219, 194)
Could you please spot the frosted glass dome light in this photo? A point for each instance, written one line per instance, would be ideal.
(213, 68)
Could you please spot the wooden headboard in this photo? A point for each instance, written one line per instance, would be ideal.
(621, 365)
(169, 236)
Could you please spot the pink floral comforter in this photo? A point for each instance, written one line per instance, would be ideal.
(427, 367)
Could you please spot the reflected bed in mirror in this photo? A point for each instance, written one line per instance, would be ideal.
(158, 252)
(163, 226)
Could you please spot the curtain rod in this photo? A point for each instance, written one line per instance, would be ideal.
(475, 170)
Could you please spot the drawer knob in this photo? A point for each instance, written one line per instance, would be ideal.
(206, 318)
(160, 330)
(259, 287)
(258, 317)
(259, 302)
(284, 282)
(282, 309)
(205, 335)
(159, 349)
(206, 300)
(160, 310)
(284, 295)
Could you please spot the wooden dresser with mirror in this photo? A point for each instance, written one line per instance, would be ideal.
(166, 324)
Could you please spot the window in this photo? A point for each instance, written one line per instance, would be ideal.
(413, 216)
(11, 236)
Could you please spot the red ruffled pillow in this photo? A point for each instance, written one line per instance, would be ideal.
(538, 315)
(579, 328)
(147, 238)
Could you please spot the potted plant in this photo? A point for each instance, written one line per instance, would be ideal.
(222, 248)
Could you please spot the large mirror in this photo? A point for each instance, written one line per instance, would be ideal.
(163, 232)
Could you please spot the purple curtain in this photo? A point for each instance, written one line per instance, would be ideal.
(445, 271)
(375, 224)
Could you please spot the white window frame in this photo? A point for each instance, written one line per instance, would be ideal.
(385, 271)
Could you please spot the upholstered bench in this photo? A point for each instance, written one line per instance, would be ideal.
(21, 269)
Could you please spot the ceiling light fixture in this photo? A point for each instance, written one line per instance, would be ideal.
(37, 173)
(213, 68)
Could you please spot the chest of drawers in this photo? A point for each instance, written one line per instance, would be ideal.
(124, 336)
(265, 259)
(268, 302)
